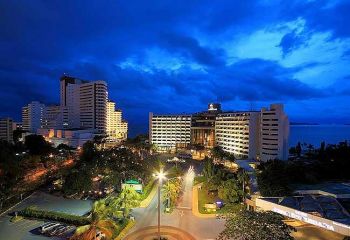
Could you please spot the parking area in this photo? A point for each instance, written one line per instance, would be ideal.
(28, 229)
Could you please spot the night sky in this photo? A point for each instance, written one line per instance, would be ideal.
(176, 56)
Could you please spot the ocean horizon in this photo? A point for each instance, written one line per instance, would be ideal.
(315, 134)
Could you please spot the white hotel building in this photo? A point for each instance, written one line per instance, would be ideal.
(168, 132)
(238, 133)
(260, 135)
(83, 112)
(117, 128)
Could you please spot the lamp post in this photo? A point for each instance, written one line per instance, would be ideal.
(160, 176)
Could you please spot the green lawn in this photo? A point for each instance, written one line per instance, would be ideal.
(204, 198)
(198, 179)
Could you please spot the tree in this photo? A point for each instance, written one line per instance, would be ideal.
(217, 153)
(37, 145)
(248, 225)
(89, 152)
(209, 169)
(243, 180)
(102, 214)
(89, 232)
(127, 199)
(77, 182)
(171, 191)
(230, 191)
(273, 179)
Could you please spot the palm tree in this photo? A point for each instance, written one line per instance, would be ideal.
(244, 179)
(127, 199)
(89, 232)
(100, 223)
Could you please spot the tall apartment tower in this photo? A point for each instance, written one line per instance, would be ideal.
(6, 130)
(85, 102)
(117, 128)
(274, 133)
(32, 116)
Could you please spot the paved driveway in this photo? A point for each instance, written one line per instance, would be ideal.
(23, 229)
(181, 217)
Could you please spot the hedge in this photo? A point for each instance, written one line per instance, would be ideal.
(31, 212)
(147, 190)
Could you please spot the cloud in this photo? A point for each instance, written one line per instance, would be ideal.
(167, 56)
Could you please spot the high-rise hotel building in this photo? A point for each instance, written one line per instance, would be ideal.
(261, 135)
(32, 116)
(169, 132)
(238, 133)
(86, 103)
(83, 112)
(117, 128)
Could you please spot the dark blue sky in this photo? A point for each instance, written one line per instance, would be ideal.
(176, 56)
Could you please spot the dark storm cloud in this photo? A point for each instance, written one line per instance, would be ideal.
(292, 41)
(322, 15)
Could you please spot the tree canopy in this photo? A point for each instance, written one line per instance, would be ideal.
(248, 225)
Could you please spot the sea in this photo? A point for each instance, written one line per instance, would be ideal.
(315, 134)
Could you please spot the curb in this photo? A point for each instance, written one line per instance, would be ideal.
(195, 210)
(145, 203)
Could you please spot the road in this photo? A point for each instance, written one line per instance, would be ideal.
(181, 217)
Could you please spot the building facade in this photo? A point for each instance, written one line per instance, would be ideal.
(261, 135)
(238, 133)
(203, 126)
(168, 132)
(51, 116)
(32, 116)
(274, 133)
(87, 105)
(6, 130)
(117, 128)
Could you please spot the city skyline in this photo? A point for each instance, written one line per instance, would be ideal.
(164, 58)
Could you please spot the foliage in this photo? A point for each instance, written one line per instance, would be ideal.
(77, 182)
(219, 154)
(248, 225)
(89, 152)
(209, 169)
(32, 212)
(198, 180)
(90, 231)
(273, 179)
(126, 200)
(171, 191)
(147, 190)
(124, 229)
(230, 191)
(37, 145)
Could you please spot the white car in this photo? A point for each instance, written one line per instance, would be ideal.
(47, 226)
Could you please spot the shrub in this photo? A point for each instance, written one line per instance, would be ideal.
(32, 212)
(147, 190)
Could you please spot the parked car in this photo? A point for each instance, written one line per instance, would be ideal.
(54, 231)
(47, 226)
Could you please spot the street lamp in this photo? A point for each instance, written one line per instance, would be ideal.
(160, 176)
